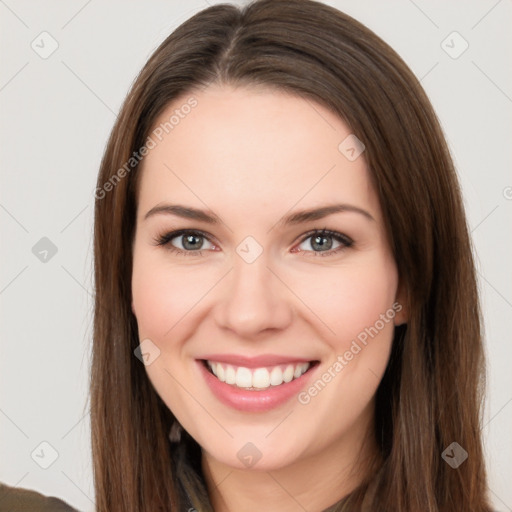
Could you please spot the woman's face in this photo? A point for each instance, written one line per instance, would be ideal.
(254, 289)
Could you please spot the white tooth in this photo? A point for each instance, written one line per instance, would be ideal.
(276, 376)
(288, 373)
(261, 378)
(230, 375)
(305, 367)
(220, 373)
(243, 377)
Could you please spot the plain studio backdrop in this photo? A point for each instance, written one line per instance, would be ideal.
(66, 68)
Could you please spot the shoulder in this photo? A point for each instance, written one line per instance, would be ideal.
(14, 499)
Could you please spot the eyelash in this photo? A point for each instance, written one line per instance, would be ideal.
(165, 239)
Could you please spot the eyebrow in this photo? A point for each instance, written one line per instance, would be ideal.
(294, 218)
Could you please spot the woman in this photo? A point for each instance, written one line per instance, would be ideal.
(237, 364)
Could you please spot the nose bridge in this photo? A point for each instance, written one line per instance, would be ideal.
(254, 299)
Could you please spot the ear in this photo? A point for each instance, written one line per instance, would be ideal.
(401, 305)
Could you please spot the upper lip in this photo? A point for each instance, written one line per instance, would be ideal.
(256, 361)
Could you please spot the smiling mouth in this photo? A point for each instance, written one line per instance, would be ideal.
(258, 379)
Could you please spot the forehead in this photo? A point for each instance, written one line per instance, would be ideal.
(238, 148)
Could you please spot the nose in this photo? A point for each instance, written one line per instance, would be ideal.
(255, 299)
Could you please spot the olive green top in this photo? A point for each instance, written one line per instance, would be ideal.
(14, 499)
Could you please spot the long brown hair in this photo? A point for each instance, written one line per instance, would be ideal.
(431, 393)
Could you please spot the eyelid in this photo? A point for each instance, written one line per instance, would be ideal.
(167, 236)
(327, 232)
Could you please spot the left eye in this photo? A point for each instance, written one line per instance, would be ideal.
(322, 242)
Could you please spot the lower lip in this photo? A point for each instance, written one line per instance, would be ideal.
(254, 401)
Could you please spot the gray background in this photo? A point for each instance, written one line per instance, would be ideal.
(57, 113)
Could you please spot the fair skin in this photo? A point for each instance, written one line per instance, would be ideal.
(252, 157)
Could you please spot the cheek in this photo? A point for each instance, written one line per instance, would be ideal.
(356, 304)
(155, 307)
(350, 299)
(163, 295)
